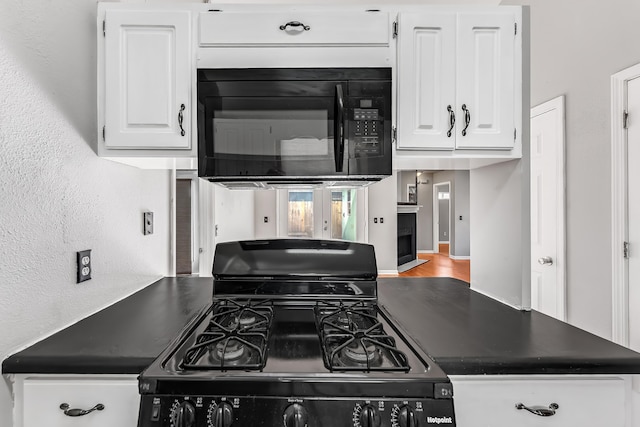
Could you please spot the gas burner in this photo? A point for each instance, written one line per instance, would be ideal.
(352, 338)
(230, 352)
(236, 337)
(359, 354)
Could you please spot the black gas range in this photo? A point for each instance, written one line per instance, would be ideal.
(294, 337)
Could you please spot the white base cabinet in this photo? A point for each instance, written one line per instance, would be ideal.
(587, 400)
(38, 400)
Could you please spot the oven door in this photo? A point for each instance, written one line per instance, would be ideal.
(269, 128)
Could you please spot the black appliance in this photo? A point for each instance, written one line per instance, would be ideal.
(294, 337)
(302, 125)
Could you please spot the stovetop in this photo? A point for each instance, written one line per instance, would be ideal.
(313, 344)
(294, 337)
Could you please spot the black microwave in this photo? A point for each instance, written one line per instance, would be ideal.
(303, 125)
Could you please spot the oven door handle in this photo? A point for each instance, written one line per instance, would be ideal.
(338, 129)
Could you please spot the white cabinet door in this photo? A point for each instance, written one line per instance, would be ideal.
(491, 401)
(426, 80)
(43, 396)
(485, 80)
(147, 79)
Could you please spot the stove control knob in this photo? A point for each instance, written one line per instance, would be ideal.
(406, 417)
(296, 416)
(183, 415)
(223, 415)
(369, 417)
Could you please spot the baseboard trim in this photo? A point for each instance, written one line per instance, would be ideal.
(388, 272)
(459, 258)
(444, 243)
(427, 252)
(488, 295)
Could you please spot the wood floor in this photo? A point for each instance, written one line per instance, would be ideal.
(440, 265)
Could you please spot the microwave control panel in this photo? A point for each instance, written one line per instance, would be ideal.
(366, 132)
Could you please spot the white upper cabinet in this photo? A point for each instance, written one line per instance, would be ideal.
(147, 79)
(456, 80)
(485, 79)
(426, 80)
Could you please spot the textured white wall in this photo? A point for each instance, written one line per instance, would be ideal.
(576, 45)
(56, 196)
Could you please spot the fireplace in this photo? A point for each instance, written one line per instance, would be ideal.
(406, 237)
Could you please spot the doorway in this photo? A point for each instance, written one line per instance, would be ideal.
(328, 213)
(625, 141)
(441, 217)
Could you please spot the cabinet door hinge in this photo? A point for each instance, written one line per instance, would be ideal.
(394, 134)
(625, 119)
(395, 29)
(104, 28)
(625, 249)
(515, 29)
(104, 130)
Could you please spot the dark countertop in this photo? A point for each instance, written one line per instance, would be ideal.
(124, 338)
(468, 333)
(465, 332)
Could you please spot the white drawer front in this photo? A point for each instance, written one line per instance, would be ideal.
(581, 402)
(324, 28)
(42, 399)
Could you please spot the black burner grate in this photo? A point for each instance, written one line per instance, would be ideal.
(235, 338)
(353, 339)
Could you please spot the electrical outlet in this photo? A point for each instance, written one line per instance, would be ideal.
(147, 218)
(83, 259)
(266, 219)
(381, 220)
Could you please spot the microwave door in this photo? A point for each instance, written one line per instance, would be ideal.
(293, 129)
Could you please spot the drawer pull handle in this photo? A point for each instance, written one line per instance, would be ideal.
(79, 412)
(294, 24)
(540, 411)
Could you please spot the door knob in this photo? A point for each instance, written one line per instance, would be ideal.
(545, 260)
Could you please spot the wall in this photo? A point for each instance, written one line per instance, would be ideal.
(383, 237)
(405, 178)
(57, 196)
(265, 206)
(576, 45)
(425, 214)
(461, 215)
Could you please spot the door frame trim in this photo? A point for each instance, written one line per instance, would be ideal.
(558, 104)
(619, 219)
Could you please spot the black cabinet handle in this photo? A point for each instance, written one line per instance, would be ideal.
(538, 410)
(79, 412)
(294, 24)
(467, 119)
(181, 118)
(452, 120)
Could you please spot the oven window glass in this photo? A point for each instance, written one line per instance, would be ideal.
(300, 214)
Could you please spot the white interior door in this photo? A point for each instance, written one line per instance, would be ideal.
(547, 209)
(633, 215)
